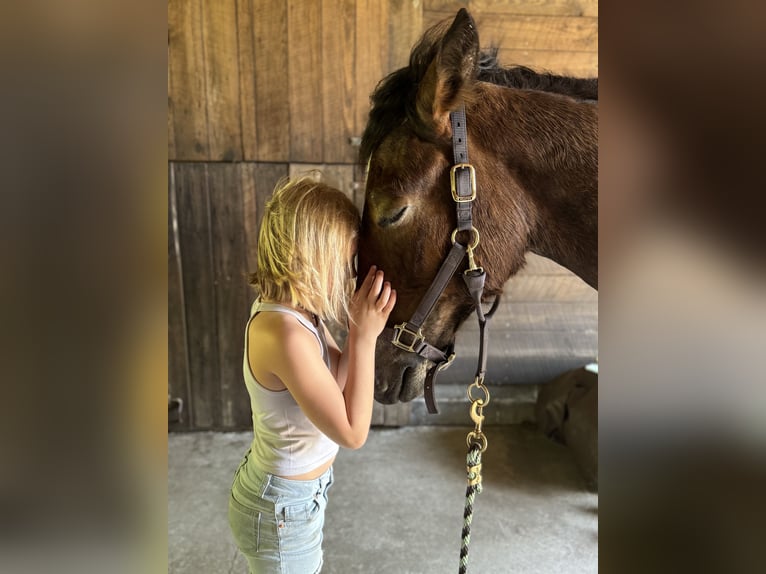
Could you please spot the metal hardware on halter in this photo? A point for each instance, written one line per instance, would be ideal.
(472, 264)
(469, 250)
(417, 338)
(447, 363)
(453, 179)
(475, 241)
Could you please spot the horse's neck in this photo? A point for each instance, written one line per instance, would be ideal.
(555, 163)
(570, 242)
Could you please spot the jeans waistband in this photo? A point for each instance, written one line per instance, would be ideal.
(253, 483)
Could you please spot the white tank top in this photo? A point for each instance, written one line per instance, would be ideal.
(285, 442)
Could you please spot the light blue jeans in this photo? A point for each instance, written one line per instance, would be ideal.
(277, 523)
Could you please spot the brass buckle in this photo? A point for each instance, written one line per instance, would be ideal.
(453, 178)
(416, 337)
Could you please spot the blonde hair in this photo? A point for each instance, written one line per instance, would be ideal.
(305, 248)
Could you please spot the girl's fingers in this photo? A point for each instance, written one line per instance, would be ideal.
(371, 272)
(377, 285)
(389, 306)
(384, 296)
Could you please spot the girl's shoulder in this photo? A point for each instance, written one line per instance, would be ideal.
(276, 332)
(276, 340)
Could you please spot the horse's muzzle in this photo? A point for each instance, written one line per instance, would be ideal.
(399, 376)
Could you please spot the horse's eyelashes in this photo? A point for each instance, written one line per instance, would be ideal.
(390, 220)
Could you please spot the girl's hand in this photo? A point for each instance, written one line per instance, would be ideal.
(372, 304)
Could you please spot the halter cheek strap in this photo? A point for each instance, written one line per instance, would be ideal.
(408, 336)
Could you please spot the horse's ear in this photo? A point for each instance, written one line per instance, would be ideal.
(450, 74)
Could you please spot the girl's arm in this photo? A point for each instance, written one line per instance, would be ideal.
(343, 415)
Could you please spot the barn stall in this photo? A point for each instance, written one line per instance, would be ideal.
(258, 90)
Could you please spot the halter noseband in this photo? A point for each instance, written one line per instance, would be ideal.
(408, 336)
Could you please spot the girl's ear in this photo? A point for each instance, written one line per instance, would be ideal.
(450, 74)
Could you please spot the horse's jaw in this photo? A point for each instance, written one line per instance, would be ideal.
(399, 376)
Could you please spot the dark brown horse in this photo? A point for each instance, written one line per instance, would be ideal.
(532, 139)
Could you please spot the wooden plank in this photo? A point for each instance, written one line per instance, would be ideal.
(232, 294)
(396, 415)
(561, 33)
(171, 117)
(524, 358)
(377, 414)
(186, 81)
(312, 170)
(339, 176)
(271, 80)
(537, 265)
(250, 213)
(372, 55)
(305, 80)
(199, 293)
(517, 316)
(267, 175)
(247, 103)
(557, 288)
(537, 8)
(539, 32)
(589, 7)
(178, 366)
(222, 79)
(404, 30)
(338, 17)
(433, 17)
(576, 64)
(447, 5)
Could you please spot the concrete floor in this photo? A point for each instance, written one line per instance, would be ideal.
(397, 505)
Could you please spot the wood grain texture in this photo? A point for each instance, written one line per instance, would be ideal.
(222, 79)
(271, 71)
(186, 80)
(199, 293)
(178, 366)
(577, 64)
(558, 288)
(372, 55)
(539, 32)
(446, 5)
(533, 7)
(171, 117)
(232, 294)
(304, 52)
(267, 175)
(250, 213)
(338, 19)
(521, 32)
(339, 176)
(247, 101)
(404, 30)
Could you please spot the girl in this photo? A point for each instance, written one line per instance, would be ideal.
(307, 396)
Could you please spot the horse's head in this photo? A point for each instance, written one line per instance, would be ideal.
(409, 214)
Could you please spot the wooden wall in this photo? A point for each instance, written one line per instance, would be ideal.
(259, 89)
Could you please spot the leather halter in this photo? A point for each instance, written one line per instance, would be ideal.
(408, 336)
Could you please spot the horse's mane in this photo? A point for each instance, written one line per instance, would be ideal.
(525, 78)
(394, 96)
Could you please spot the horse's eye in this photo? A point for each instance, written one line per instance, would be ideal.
(391, 219)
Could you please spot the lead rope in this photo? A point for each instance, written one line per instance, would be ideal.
(478, 394)
(477, 444)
